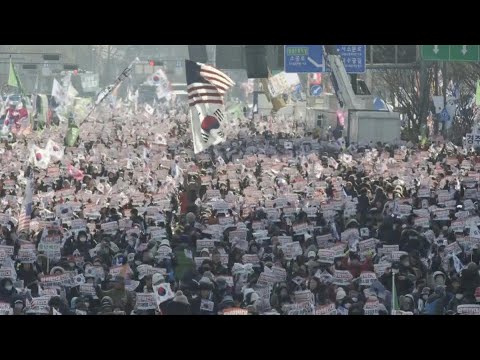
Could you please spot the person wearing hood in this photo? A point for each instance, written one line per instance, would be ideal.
(437, 302)
(407, 303)
(81, 243)
(204, 304)
(179, 305)
(470, 279)
(7, 290)
(403, 284)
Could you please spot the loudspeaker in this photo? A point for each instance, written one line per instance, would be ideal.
(198, 53)
(256, 59)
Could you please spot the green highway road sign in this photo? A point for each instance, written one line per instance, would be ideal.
(464, 52)
(435, 52)
(450, 52)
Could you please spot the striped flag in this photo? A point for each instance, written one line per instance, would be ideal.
(206, 87)
(26, 213)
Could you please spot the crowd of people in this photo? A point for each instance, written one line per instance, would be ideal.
(130, 222)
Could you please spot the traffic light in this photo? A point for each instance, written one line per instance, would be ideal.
(70, 67)
(29, 67)
(155, 63)
(51, 57)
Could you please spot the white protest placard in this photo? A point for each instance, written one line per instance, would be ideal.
(326, 256)
(225, 220)
(39, 305)
(322, 240)
(237, 235)
(292, 250)
(235, 311)
(266, 279)
(65, 279)
(279, 273)
(387, 250)
(342, 277)
(441, 215)
(397, 254)
(250, 259)
(326, 309)
(8, 273)
(78, 225)
(52, 250)
(381, 268)
(339, 250)
(349, 234)
(422, 222)
(367, 246)
(8, 250)
(145, 301)
(470, 309)
(453, 248)
(5, 309)
(88, 289)
(205, 243)
(211, 194)
(300, 228)
(27, 256)
(371, 307)
(367, 278)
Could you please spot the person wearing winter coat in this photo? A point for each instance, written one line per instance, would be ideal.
(7, 291)
(437, 302)
(204, 304)
(121, 297)
(179, 305)
(470, 278)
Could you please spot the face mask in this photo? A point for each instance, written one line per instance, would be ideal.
(131, 243)
(83, 239)
(8, 287)
(354, 299)
(347, 306)
(459, 296)
(71, 265)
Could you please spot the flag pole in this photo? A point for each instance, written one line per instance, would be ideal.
(394, 293)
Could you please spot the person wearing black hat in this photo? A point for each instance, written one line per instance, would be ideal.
(204, 304)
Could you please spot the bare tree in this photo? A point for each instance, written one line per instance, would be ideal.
(411, 89)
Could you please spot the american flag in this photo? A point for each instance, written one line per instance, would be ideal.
(206, 87)
(205, 84)
(26, 213)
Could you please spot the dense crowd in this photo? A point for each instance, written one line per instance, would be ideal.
(130, 222)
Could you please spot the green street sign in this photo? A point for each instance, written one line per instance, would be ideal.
(435, 52)
(450, 52)
(464, 53)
